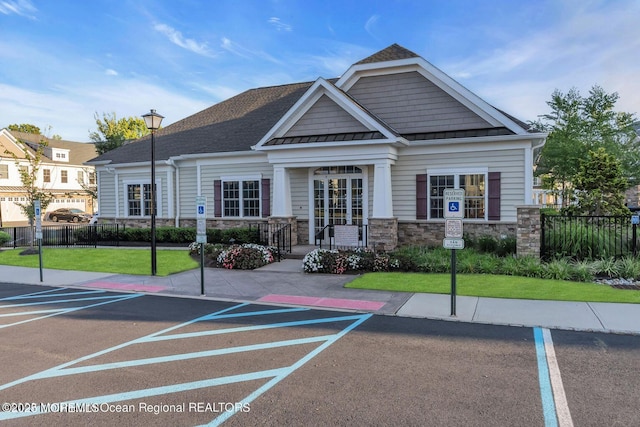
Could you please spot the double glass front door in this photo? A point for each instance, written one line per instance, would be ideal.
(337, 201)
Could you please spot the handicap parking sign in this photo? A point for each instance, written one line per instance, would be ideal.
(200, 210)
(453, 203)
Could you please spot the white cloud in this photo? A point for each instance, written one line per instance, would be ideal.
(593, 44)
(20, 7)
(110, 72)
(279, 25)
(371, 22)
(178, 39)
(69, 109)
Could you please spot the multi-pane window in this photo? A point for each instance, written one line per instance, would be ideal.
(64, 176)
(437, 185)
(139, 199)
(46, 175)
(241, 198)
(4, 171)
(474, 192)
(92, 178)
(80, 177)
(474, 185)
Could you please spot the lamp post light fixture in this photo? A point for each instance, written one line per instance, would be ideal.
(153, 121)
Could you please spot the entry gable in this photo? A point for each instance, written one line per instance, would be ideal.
(398, 68)
(326, 114)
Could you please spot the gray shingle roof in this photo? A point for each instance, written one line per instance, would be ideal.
(231, 125)
(391, 53)
(79, 152)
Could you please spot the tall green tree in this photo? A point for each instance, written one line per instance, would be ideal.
(29, 164)
(578, 124)
(600, 186)
(25, 127)
(113, 132)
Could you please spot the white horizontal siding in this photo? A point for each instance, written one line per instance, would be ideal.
(325, 117)
(208, 174)
(299, 179)
(187, 191)
(107, 194)
(412, 104)
(510, 163)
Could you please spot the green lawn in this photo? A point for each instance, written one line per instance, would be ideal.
(120, 261)
(495, 286)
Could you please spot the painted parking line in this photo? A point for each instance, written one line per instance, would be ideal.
(273, 375)
(554, 401)
(324, 302)
(52, 297)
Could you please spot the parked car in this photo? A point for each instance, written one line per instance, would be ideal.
(70, 215)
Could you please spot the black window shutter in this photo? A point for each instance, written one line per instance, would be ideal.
(217, 198)
(421, 196)
(494, 196)
(265, 197)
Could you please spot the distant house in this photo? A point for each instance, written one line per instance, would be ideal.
(61, 173)
(375, 147)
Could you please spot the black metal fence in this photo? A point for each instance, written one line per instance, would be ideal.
(276, 235)
(587, 237)
(76, 235)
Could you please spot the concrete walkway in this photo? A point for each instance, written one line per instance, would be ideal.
(286, 283)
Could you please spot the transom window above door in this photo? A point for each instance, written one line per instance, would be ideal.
(337, 170)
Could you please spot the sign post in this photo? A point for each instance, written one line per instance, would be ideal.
(201, 233)
(37, 213)
(453, 214)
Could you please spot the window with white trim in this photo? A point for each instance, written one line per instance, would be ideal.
(241, 198)
(63, 176)
(46, 175)
(4, 171)
(473, 183)
(139, 200)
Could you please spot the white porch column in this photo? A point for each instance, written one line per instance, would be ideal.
(382, 194)
(281, 193)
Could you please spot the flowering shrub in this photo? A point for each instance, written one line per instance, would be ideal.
(247, 256)
(242, 257)
(338, 262)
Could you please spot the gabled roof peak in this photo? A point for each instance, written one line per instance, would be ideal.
(391, 53)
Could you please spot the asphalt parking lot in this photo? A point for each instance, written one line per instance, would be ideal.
(86, 356)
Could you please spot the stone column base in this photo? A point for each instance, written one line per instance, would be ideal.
(276, 222)
(383, 233)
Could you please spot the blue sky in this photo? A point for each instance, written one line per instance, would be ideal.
(65, 60)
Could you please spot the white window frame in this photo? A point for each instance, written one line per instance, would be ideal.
(142, 183)
(240, 179)
(456, 172)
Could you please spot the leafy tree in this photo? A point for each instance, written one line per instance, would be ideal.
(113, 132)
(577, 125)
(25, 127)
(29, 177)
(89, 188)
(600, 186)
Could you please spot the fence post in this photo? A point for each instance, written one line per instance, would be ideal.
(635, 238)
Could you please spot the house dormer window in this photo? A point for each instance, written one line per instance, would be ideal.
(60, 155)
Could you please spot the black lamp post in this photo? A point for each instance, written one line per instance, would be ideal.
(153, 120)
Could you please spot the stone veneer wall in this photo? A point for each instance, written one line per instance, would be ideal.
(529, 231)
(383, 233)
(431, 233)
(303, 232)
